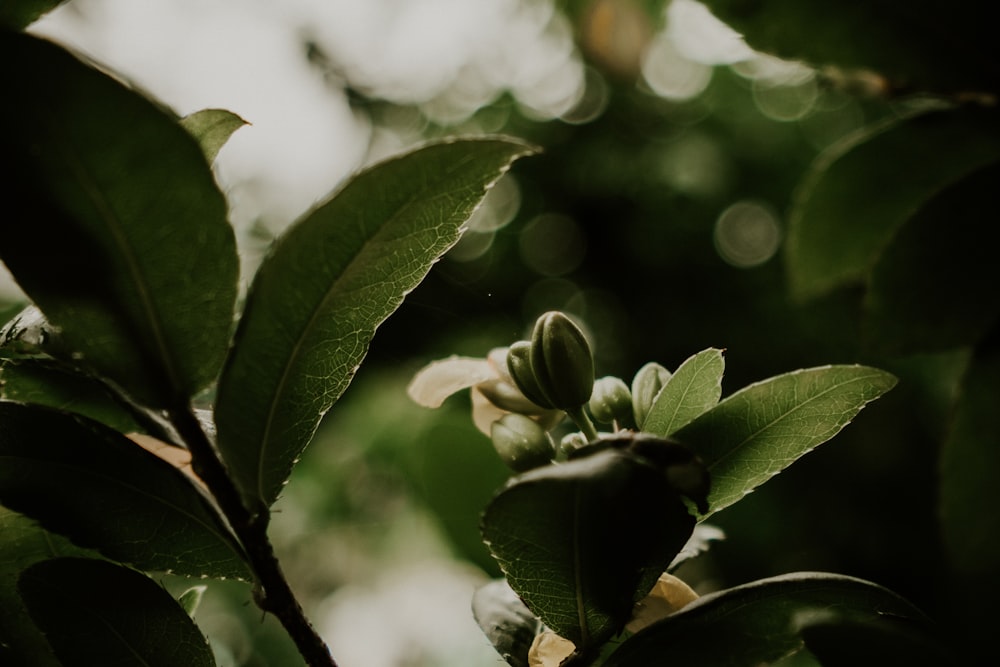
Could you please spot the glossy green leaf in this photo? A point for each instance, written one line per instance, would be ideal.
(190, 599)
(759, 622)
(935, 287)
(507, 622)
(45, 382)
(695, 387)
(942, 45)
(861, 191)
(119, 232)
(970, 458)
(872, 641)
(81, 479)
(98, 613)
(760, 430)
(212, 128)
(22, 543)
(330, 281)
(18, 14)
(582, 541)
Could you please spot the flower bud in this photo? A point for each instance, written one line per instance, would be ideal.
(521, 442)
(612, 402)
(561, 361)
(646, 386)
(519, 367)
(572, 442)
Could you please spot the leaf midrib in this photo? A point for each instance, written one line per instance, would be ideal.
(299, 346)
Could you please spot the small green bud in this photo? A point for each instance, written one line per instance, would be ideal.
(612, 402)
(572, 442)
(561, 361)
(521, 442)
(519, 367)
(646, 386)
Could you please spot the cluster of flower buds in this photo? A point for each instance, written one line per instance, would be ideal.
(520, 393)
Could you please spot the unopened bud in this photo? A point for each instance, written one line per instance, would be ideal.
(561, 361)
(572, 442)
(521, 442)
(646, 386)
(612, 402)
(519, 367)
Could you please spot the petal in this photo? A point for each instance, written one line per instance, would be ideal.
(484, 413)
(549, 650)
(668, 595)
(440, 379)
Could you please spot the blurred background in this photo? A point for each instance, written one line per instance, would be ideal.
(655, 214)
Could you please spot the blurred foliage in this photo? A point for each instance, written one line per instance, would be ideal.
(643, 185)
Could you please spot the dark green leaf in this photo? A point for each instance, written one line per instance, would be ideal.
(760, 430)
(943, 45)
(117, 230)
(970, 459)
(860, 192)
(759, 622)
(212, 128)
(85, 481)
(695, 387)
(330, 281)
(935, 287)
(874, 641)
(18, 14)
(47, 383)
(190, 599)
(22, 543)
(581, 542)
(98, 613)
(506, 621)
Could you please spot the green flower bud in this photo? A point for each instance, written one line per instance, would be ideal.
(561, 361)
(521, 442)
(519, 367)
(612, 402)
(572, 442)
(646, 386)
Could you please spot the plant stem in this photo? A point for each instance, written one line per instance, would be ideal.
(274, 595)
(580, 418)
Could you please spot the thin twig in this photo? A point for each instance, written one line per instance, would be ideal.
(272, 594)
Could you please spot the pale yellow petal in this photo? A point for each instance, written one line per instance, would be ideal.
(484, 413)
(178, 457)
(548, 650)
(440, 379)
(668, 595)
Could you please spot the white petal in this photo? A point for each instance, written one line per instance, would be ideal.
(440, 379)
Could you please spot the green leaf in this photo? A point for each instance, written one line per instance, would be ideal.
(759, 622)
(935, 287)
(18, 14)
(329, 282)
(45, 382)
(122, 239)
(98, 613)
(212, 128)
(507, 622)
(861, 191)
(871, 642)
(83, 480)
(695, 387)
(760, 430)
(581, 542)
(190, 599)
(24, 543)
(970, 458)
(943, 45)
